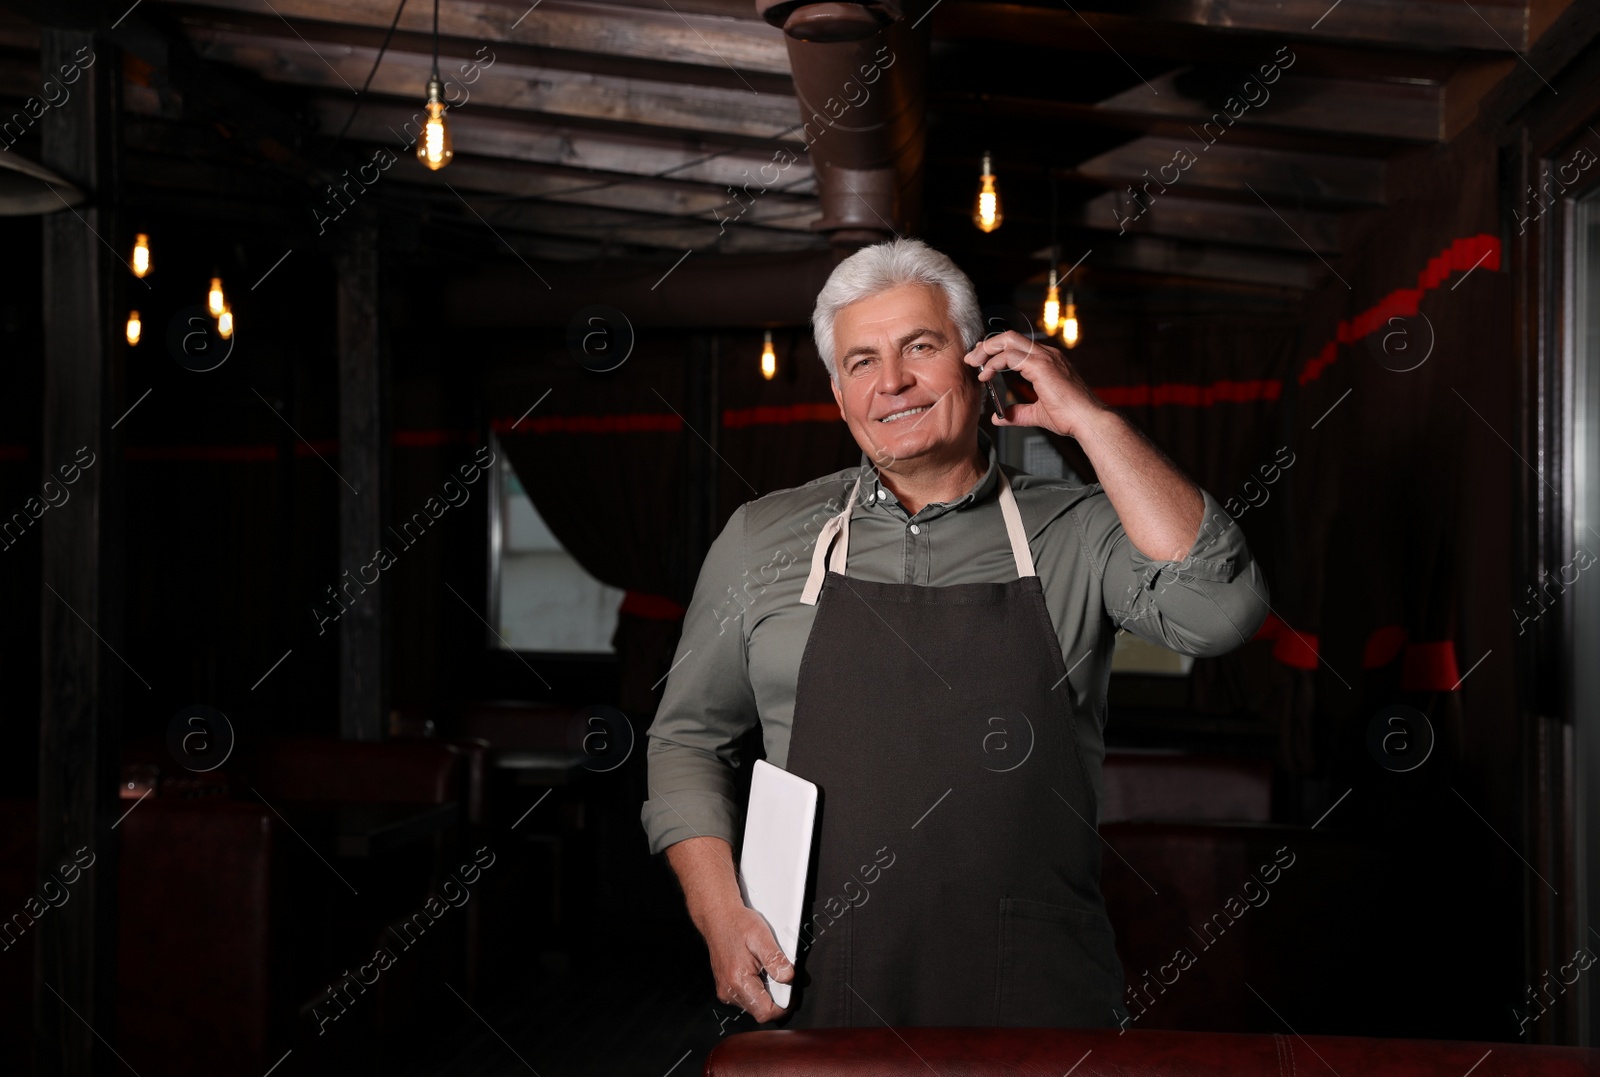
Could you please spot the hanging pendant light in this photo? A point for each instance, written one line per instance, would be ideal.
(135, 327)
(215, 301)
(1069, 324)
(433, 149)
(1051, 320)
(1052, 305)
(225, 323)
(769, 359)
(141, 255)
(987, 214)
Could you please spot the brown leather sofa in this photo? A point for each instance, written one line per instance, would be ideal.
(195, 938)
(1051, 1052)
(1142, 786)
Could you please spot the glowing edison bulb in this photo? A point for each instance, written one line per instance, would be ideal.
(225, 323)
(434, 149)
(214, 300)
(1052, 306)
(141, 255)
(769, 359)
(134, 327)
(987, 216)
(1069, 324)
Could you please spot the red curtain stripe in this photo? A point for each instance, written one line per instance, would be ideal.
(1383, 646)
(1463, 256)
(770, 415)
(1429, 667)
(651, 607)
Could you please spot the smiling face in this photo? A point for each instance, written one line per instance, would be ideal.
(903, 389)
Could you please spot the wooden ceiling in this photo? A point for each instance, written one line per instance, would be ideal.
(615, 127)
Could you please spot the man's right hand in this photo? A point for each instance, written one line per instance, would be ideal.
(742, 945)
(738, 937)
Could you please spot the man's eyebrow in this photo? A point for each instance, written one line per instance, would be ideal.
(870, 349)
(919, 332)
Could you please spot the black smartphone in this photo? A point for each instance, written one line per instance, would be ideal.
(996, 393)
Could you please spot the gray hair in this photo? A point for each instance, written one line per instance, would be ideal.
(884, 266)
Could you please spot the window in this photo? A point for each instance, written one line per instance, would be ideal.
(541, 599)
(1039, 457)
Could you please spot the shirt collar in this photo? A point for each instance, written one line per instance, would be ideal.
(981, 490)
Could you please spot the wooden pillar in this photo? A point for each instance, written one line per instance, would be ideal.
(81, 672)
(363, 498)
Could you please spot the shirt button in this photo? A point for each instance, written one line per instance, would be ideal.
(915, 530)
(880, 495)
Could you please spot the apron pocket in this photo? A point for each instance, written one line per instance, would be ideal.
(1058, 967)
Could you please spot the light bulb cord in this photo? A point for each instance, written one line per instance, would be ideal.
(436, 39)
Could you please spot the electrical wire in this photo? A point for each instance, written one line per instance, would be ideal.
(379, 59)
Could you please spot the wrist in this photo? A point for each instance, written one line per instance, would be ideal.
(1092, 423)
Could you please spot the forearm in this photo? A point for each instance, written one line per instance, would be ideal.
(1160, 508)
(705, 871)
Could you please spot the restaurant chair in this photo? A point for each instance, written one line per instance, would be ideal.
(1167, 785)
(195, 953)
(532, 759)
(367, 877)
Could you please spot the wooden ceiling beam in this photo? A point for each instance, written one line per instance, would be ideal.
(639, 194)
(658, 34)
(169, 157)
(510, 86)
(578, 149)
(1201, 261)
(1486, 25)
(1058, 119)
(1141, 40)
(1397, 111)
(640, 230)
(1213, 221)
(1295, 177)
(211, 94)
(464, 53)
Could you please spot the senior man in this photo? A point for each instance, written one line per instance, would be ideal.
(935, 657)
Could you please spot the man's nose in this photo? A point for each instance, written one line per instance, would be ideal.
(894, 375)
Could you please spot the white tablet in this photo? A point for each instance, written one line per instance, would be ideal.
(776, 854)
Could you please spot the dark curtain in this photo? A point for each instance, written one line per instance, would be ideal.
(1387, 542)
(1399, 507)
(781, 433)
(1210, 390)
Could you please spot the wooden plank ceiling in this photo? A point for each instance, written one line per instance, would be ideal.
(616, 127)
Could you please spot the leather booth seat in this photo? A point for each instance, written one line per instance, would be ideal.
(1053, 1052)
(194, 943)
(354, 772)
(1185, 786)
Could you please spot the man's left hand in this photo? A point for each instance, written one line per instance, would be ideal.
(1065, 401)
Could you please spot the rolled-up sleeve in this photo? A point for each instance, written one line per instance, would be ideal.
(707, 706)
(1208, 603)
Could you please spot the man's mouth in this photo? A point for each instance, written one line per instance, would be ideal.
(895, 417)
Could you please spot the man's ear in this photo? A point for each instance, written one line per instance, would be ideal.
(838, 398)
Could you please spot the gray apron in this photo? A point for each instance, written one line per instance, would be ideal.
(956, 879)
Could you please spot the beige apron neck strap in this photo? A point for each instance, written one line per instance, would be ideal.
(836, 525)
(822, 562)
(1014, 529)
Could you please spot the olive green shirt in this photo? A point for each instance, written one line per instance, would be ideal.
(745, 630)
